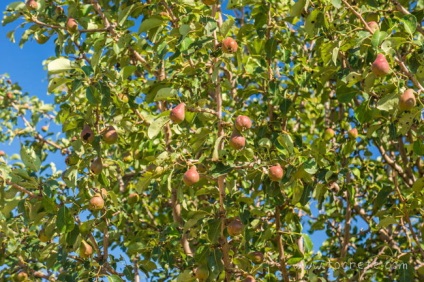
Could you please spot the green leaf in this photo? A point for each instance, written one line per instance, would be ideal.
(150, 23)
(418, 185)
(64, 220)
(297, 8)
(123, 14)
(60, 65)
(30, 159)
(381, 198)
(386, 222)
(308, 243)
(388, 102)
(409, 23)
(114, 278)
(378, 37)
(286, 141)
(336, 3)
(156, 126)
(214, 230)
(406, 272)
(127, 71)
(166, 94)
(226, 26)
(215, 154)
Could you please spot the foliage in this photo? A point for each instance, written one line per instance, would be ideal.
(300, 68)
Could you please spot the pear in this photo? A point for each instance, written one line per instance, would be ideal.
(237, 141)
(373, 26)
(32, 4)
(229, 45)
(191, 176)
(256, 257)
(72, 159)
(133, 198)
(85, 250)
(71, 25)
(407, 100)
(380, 67)
(21, 276)
(242, 123)
(177, 114)
(201, 273)
(110, 135)
(329, 134)
(96, 202)
(275, 173)
(87, 134)
(353, 133)
(235, 227)
(96, 166)
(2, 153)
(249, 278)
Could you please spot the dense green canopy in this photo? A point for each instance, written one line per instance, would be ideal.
(290, 120)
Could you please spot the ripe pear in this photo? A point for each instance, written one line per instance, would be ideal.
(191, 176)
(380, 67)
(21, 276)
(242, 123)
(32, 4)
(201, 273)
(85, 250)
(96, 166)
(87, 135)
(237, 141)
(133, 198)
(373, 26)
(235, 227)
(110, 135)
(96, 202)
(256, 257)
(249, 278)
(329, 134)
(229, 45)
(353, 133)
(71, 25)
(2, 153)
(407, 100)
(275, 173)
(177, 114)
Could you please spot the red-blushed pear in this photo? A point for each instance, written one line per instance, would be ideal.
(177, 114)
(242, 123)
(329, 134)
(275, 173)
(229, 45)
(87, 135)
(32, 4)
(71, 25)
(237, 141)
(2, 153)
(373, 26)
(249, 278)
(407, 100)
(96, 202)
(85, 250)
(96, 166)
(110, 135)
(191, 176)
(380, 67)
(353, 133)
(235, 227)
(201, 273)
(209, 2)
